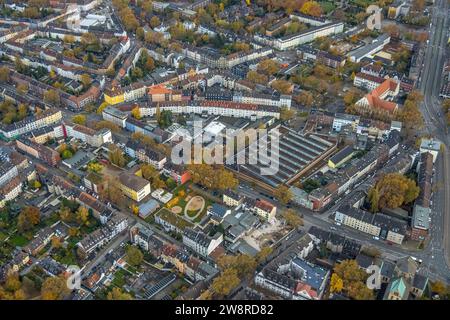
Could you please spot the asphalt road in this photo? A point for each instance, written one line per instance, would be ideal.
(436, 254)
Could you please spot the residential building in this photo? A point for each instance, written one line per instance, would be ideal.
(296, 280)
(39, 151)
(145, 153)
(342, 120)
(265, 210)
(432, 146)
(309, 35)
(145, 238)
(200, 242)
(115, 116)
(100, 237)
(28, 124)
(232, 198)
(95, 138)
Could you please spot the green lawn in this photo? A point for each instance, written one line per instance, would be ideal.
(119, 278)
(361, 3)
(18, 240)
(3, 236)
(174, 219)
(327, 7)
(192, 213)
(65, 256)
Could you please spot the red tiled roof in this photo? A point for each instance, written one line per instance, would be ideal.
(159, 89)
(374, 100)
(264, 205)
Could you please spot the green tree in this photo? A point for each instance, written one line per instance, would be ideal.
(95, 167)
(118, 294)
(336, 283)
(66, 154)
(374, 198)
(54, 288)
(311, 8)
(287, 113)
(353, 279)
(134, 256)
(86, 80)
(116, 156)
(83, 215)
(102, 107)
(4, 74)
(107, 125)
(19, 65)
(28, 218)
(268, 67)
(136, 113)
(52, 97)
(282, 86)
(283, 194)
(226, 282)
(255, 77)
(393, 190)
(154, 22)
(292, 218)
(79, 119)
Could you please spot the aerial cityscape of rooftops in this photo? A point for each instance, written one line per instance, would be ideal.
(116, 117)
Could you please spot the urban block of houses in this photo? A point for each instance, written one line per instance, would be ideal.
(290, 276)
(28, 124)
(106, 233)
(420, 222)
(146, 239)
(201, 243)
(432, 146)
(376, 224)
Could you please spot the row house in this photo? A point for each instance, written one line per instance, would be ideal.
(145, 154)
(178, 173)
(201, 243)
(154, 132)
(367, 81)
(420, 222)
(187, 264)
(8, 170)
(309, 35)
(232, 198)
(10, 191)
(146, 239)
(28, 124)
(330, 60)
(88, 135)
(348, 177)
(223, 108)
(106, 233)
(115, 116)
(39, 151)
(378, 225)
(295, 280)
(39, 242)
